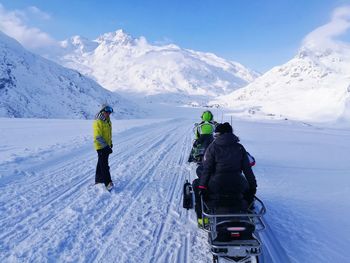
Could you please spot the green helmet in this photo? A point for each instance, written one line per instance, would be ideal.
(207, 116)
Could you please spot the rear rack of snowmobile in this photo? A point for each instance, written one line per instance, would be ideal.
(238, 249)
(253, 214)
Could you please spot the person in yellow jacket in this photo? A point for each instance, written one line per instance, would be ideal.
(103, 145)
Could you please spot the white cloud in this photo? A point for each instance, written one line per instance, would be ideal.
(164, 41)
(36, 11)
(326, 36)
(12, 23)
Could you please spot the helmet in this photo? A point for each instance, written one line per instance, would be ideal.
(107, 108)
(207, 116)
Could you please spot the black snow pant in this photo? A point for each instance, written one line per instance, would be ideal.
(102, 169)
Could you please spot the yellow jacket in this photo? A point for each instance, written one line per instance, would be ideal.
(102, 132)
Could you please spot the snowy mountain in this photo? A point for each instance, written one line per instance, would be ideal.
(314, 85)
(31, 86)
(165, 73)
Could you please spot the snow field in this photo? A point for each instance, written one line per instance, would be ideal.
(62, 216)
(51, 211)
(302, 172)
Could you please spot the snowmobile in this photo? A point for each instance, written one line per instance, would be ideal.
(233, 237)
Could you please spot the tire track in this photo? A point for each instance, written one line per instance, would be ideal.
(65, 194)
(272, 249)
(137, 202)
(53, 174)
(111, 218)
(158, 252)
(137, 190)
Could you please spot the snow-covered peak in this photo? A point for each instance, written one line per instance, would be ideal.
(31, 86)
(312, 86)
(119, 37)
(123, 63)
(78, 40)
(338, 50)
(78, 43)
(336, 59)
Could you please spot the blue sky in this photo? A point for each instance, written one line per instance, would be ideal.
(259, 34)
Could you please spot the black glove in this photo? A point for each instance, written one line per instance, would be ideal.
(108, 149)
(203, 191)
(111, 145)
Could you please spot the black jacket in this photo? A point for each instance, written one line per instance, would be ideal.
(224, 161)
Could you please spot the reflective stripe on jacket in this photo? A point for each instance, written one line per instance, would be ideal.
(205, 127)
(102, 133)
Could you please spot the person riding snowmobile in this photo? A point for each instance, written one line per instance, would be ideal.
(203, 136)
(221, 182)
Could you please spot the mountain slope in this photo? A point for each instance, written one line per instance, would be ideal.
(314, 85)
(122, 63)
(31, 86)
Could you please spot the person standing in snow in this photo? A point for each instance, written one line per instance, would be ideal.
(103, 144)
(221, 181)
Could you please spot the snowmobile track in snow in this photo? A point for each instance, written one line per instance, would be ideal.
(272, 251)
(60, 212)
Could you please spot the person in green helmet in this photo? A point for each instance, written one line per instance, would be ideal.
(203, 136)
(206, 126)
